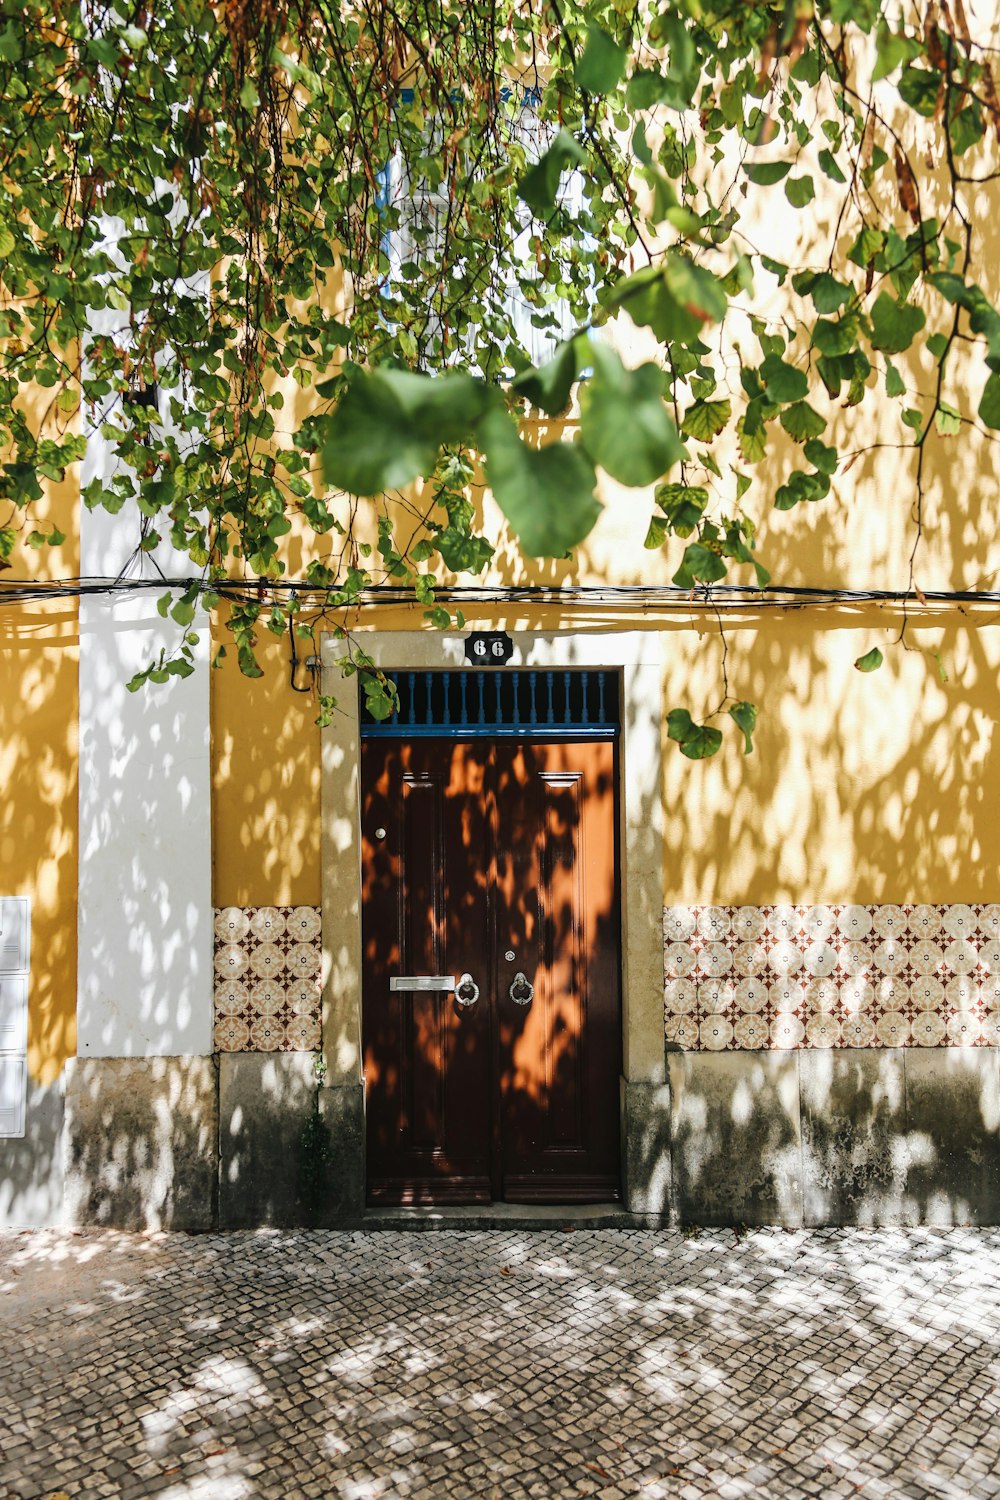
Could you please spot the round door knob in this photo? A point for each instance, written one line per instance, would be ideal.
(521, 992)
(380, 833)
(466, 990)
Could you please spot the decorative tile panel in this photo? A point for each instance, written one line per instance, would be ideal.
(753, 978)
(267, 978)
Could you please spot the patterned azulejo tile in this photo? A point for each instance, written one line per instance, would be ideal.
(267, 978)
(785, 977)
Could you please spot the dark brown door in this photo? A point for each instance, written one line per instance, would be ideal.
(495, 861)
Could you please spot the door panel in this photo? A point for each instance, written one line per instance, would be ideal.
(426, 1057)
(559, 1055)
(490, 850)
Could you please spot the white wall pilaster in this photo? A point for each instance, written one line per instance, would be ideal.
(145, 902)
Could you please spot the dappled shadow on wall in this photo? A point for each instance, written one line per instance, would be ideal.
(38, 814)
(861, 788)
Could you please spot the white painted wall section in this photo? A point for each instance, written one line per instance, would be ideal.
(145, 912)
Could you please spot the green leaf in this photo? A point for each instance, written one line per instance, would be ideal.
(602, 66)
(894, 327)
(947, 420)
(656, 534)
(248, 663)
(821, 456)
(801, 487)
(548, 387)
(871, 661)
(696, 741)
(389, 425)
(682, 505)
(675, 299)
(744, 716)
(624, 424)
(765, 173)
(799, 191)
(183, 611)
(894, 382)
(696, 289)
(783, 381)
(869, 243)
(892, 50)
(706, 419)
(828, 162)
(966, 129)
(547, 494)
(801, 421)
(989, 406)
(700, 564)
(828, 294)
(10, 44)
(381, 695)
(834, 338)
(954, 289)
(7, 242)
(919, 88)
(540, 184)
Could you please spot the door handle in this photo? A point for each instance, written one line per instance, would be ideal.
(467, 990)
(423, 981)
(521, 991)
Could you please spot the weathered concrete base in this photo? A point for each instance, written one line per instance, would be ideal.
(866, 1137)
(342, 1110)
(854, 1148)
(140, 1142)
(31, 1169)
(268, 1163)
(953, 1136)
(847, 1136)
(645, 1128)
(737, 1150)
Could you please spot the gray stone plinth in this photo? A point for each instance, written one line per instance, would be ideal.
(267, 1165)
(140, 1142)
(342, 1110)
(854, 1146)
(737, 1151)
(646, 1148)
(31, 1168)
(953, 1135)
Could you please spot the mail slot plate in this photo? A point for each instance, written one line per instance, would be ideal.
(422, 982)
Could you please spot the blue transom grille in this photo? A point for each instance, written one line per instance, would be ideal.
(488, 704)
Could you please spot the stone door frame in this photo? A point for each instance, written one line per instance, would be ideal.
(645, 1106)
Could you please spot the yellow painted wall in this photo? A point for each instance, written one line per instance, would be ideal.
(868, 788)
(39, 702)
(266, 780)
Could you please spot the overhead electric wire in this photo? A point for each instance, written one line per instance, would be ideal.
(619, 596)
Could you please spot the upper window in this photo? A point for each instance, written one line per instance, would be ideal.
(522, 305)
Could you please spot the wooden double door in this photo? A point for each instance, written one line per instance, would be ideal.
(491, 1003)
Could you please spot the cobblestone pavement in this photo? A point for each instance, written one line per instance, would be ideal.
(501, 1363)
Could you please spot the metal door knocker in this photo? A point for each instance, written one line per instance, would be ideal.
(466, 990)
(521, 992)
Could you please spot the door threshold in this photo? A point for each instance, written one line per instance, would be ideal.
(502, 1216)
